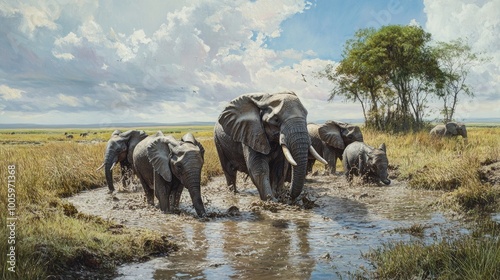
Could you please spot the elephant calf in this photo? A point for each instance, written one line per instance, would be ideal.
(363, 160)
(329, 140)
(120, 148)
(165, 166)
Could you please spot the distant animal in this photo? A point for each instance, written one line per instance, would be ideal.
(120, 149)
(363, 160)
(85, 134)
(165, 166)
(450, 129)
(65, 133)
(69, 136)
(330, 139)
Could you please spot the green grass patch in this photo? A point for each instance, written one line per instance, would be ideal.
(466, 258)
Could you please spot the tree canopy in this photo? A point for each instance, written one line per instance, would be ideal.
(393, 72)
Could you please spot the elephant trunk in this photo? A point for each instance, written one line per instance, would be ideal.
(383, 175)
(296, 138)
(109, 162)
(193, 185)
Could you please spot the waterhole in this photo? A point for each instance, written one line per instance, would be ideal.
(325, 238)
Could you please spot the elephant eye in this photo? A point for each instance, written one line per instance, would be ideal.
(179, 166)
(274, 120)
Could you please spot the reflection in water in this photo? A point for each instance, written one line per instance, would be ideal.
(324, 242)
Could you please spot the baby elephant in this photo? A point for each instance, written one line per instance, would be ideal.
(361, 159)
(165, 166)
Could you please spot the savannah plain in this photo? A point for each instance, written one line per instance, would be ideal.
(54, 239)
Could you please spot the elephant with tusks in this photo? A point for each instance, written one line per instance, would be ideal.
(261, 134)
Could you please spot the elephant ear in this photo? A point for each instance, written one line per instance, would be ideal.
(116, 132)
(451, 128)
(159, 156)
(331, 134)
(242, 121)
(140, 134)
(189, 138)
(158, 134)
(382, 147)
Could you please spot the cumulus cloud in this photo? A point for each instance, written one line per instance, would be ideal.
(8, 93)
(477, 22)
(182, 59)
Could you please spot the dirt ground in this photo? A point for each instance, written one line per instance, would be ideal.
(490, 172)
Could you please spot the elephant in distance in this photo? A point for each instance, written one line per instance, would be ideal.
(120, 148)
(165, 166)
(330, 140)
(449, 129)
(363, 160)
(260, 134)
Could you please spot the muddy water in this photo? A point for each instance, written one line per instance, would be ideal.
(268, 241)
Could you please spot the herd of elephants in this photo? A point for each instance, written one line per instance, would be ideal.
(266, 136)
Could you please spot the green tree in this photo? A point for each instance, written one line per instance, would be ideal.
(391, 71)
(456, 60)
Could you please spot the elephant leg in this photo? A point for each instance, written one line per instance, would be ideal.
(230, 175)
(162, 192)
(258, 169)
(330, 156)
(227, 168)
(310, 164)
(279, 169)
(176, 198)
(332, 165)
(124, 168)
(147, 191)
(348, 176)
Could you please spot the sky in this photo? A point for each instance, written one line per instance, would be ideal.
(103, 62)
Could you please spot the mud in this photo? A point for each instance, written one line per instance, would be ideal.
(490, 172)
(244, 238)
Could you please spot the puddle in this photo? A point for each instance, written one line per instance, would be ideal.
(324, 242)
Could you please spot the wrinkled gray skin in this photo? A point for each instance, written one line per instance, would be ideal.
(450, 129)
(363, 160)
(330, 139)
(165, 166)
(120, 149)
(249, 136)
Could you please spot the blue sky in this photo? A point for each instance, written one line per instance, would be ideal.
(175, 61)
(329, 23)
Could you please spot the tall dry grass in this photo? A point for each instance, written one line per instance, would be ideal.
(452, 165)
(51, 236)
(449, 164)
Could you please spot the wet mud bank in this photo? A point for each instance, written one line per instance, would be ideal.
(245, 238)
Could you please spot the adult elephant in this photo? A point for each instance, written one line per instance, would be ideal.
(120, 148)
(449, 129)
(260, 134)
(165, 166)
(330, 139)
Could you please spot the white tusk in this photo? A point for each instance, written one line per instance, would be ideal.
(113, 166)
(288, 155)
(100, 167)
(316, 155)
